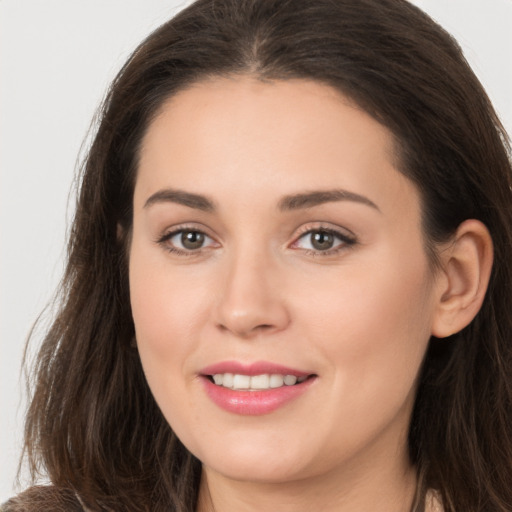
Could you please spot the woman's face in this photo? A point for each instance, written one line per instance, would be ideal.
(277, 249)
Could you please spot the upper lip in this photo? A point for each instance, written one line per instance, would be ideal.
(251, 369)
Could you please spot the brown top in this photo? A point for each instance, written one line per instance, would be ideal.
(43, 498)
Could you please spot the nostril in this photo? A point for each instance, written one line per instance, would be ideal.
(245, 329)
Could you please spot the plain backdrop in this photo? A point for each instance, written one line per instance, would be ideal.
(56, 60)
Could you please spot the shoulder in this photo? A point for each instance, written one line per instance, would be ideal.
(45, 498)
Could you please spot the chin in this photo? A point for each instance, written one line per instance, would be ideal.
(257, 471)
(254, 458)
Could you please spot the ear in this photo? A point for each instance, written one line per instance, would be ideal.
(466, 264)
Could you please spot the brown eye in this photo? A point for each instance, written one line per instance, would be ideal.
(322, 240)
(192, 240)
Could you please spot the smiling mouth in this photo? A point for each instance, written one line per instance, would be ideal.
(263, 382)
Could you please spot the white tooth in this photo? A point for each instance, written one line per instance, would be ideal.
(260, 381)
(290, 380)
(276, 381)
(217, 378)
(241, 382)
(227, 380)
(302, 379)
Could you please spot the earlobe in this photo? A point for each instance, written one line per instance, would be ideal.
(466, 265)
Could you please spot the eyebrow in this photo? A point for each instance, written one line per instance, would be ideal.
(318, 197)
(169, 195)
(288, 203)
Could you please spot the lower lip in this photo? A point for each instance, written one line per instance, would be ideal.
(252, 403)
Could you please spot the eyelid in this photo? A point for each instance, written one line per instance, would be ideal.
(324, 226)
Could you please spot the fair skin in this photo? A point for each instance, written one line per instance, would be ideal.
(237, 274)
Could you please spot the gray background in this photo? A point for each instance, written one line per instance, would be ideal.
(56, 60)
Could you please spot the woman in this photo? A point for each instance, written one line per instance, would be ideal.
(288, 283)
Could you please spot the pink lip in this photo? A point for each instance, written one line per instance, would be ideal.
(253, 402)
(256, 368)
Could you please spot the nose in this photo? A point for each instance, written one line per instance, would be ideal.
(252, 298)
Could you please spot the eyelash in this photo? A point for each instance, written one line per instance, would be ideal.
(347, 241)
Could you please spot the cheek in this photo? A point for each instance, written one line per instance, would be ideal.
(373, 327)
(169, 311)
(380, 310)
(166, 299)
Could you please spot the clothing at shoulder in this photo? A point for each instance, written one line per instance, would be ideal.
(433, 503)
(43, 499)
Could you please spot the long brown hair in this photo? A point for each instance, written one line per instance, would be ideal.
(93, 425)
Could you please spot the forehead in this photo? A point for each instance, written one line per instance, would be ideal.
(247, 136)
